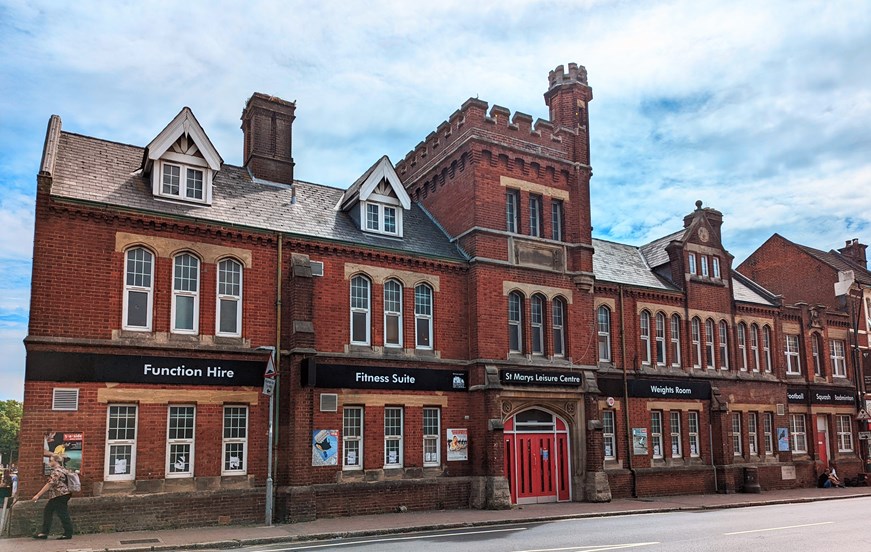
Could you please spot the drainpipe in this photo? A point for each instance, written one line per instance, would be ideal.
(277, 360)
(626, 396)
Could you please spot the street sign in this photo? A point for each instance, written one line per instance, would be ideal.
(865, 435)
(268, 386)
(862, 415)
(270, 369)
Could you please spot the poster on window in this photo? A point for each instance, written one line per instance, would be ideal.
(325, 446)
(783, 439)
(458, 443)
(66, 444)
(639, 440)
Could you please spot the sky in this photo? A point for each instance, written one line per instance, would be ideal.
(762, 110)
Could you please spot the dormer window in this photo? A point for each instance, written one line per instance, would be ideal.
(182, 182)
(384, 219)
(381, 198)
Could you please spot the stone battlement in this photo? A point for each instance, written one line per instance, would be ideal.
(576, 74)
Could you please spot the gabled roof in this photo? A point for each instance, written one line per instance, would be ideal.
(363, 187)
(182, 124)
(98, 171)
(838, 262)
(625, 264)
(747, 291)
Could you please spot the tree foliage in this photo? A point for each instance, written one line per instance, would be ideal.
(10, 426)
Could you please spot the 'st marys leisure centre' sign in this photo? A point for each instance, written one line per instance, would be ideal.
(537, 377)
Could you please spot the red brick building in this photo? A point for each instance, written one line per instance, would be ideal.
(449, 334)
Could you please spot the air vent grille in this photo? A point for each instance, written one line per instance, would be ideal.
(65, 399)
(329, 402)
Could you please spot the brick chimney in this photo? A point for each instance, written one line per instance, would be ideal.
(567, 97)
(855, 251)
(267, 123)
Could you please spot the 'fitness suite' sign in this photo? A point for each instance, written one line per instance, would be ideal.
(379, 377)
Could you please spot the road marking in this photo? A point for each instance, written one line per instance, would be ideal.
(593, 548)
(780, 528)
(389, 539)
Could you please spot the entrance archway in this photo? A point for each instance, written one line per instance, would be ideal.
(537, 458)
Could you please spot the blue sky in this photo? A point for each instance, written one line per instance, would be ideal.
(760, 109)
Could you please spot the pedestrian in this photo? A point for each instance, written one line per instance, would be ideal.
(58, 497)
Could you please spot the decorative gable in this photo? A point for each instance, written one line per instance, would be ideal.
(182, 161)
(379, 198)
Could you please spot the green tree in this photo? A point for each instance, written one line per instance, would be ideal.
(10, 426)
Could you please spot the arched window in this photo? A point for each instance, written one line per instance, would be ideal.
(536, 323)
(360, 300)
(186, 294)
(675, 340)
(645, 337)
(660, 339)
(229, 298)
(742, 346)
(709, 343)
(697, 343)
(754, 345)
(392, 314)
(558, 317)
(604, 324)
(515, 321)
(766, 347)
(423, 308)
(138, 289)
(724, 346)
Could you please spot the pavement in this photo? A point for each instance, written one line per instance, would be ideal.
(228, 537)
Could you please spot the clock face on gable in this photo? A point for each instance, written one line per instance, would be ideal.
(703, 234)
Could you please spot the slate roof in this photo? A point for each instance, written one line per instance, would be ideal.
(90, 169)
(625, 264)
(748, 291)
(654, 252)
(839, 262)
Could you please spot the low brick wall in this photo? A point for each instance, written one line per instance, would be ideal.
(294, 504)
(148, 511)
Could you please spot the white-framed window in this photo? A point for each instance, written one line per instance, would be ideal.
(512, 211)
(753, 433)
(844, 425)
(709, 343)
(556, 219)
(790, 351)
(392, 437)
(121, 442)
(381, 218)
(138, 289)
(815, 354)
(724, 346)
(697, 342)
(645, 337)
(742, 346)
(423, 310)
(660, 339)
(603, 322)
(558, 318)
(674, 429)
(715, 261)
(180, 427)
(839, 358)
(737, 448)
(360, 312)
(536, 324)
(609, 437)
(392, 314)
(692, 262)
(352, 438)
(768, 432)
(535, 215)
(675, 340)
(228, 322)
(797, 433)
(515, 322)
(186, 294)
(766, 347)
(754, 346)
(656, 433)
(431, 440)
(235, 440)
(693, 423)
(183, 182)
(704, 259)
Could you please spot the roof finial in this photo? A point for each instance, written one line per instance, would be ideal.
(698, 204)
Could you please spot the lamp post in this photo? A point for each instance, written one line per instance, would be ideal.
(844, 288)
(270, 378)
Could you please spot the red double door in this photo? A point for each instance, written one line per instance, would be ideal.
(537, 457)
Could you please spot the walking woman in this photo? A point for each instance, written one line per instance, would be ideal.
(58, 497)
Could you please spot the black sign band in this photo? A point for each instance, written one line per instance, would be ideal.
(658, 389)
(379, 377)
(820, 395)
(541, 377)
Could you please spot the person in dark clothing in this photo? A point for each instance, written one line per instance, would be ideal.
(58, 497)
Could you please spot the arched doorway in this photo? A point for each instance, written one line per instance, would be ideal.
(537, 459)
